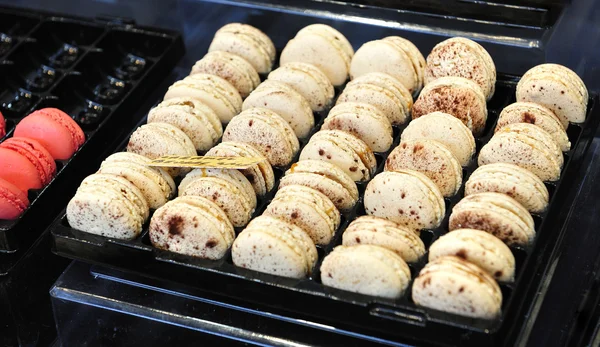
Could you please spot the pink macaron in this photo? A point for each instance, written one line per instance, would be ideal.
(36, 154)
(13, 201)
(18, 170)
(2, 126)
(55, 130)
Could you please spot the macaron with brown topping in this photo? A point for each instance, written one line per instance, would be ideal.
(231, 68)
(308, 81)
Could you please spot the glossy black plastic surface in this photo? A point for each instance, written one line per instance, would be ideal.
(93, 70)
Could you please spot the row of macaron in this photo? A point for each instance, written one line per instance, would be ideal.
(28, 158)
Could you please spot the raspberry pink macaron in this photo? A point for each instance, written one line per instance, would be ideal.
(36, 154)
(55, 130)
(2, 126)
(13, 201)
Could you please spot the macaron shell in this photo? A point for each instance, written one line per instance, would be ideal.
(233, 176)
(308, 81)
(566, 74)
(384, 56)
(13, 201)
(390, 84)
(439, 126)
(341, 198)
(245, 46)
(254, 33)
(453, 285)
(479, 248)
(35, 153)
(2, 126)
(386, 101)
(326, 169)
(231, 68)
(18, 170)
(432, 159)
(336, 37)
(404, 198)
(538, 134)
(366, 269)
(417, 59)
(527, 112)
(286, 102)
(77, 135)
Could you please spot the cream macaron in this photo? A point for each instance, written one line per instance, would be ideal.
(366, 269)
(230, 67)
(495, 213)
(432, 159)
(406, 197)
(512, 180)
(108, 205)
(446, 129)
(215, 92)
(307, 208)
(386, 93)
(192, 225)
(286, 102)
(529, 112)
(363, 121)
(451, 284)
(248, 42)
(369, 230)
(260, 175)
(155, 140)
(198, 121)
(323, 47)
(344, 150)
(457, 96)
(308, 81)
(325, 177)
(557, 88)
(229, 189)
(527, 146)
(477, 247)
(276, 247)
(465, 58)
(267, 131)
(394, 56)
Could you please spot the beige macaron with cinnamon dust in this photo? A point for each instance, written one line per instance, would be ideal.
(155, 140)
(267, 131)
(432, 159)
(366, 269)
(512, 180)
(446, 129)
(286, 102)
(461, 57)
(394, 56)
(198, 121)
(406, 197)
(323, 47)
(363, 121)
(495, 213)
(454, 285)
(231, 68)
(229, 189)
(369, 230)
(386, 93)
(192, 225)
(457, 96)
(213, 91)
(308, 81)
(275, 247)
(344, 150)
(247, 42)
(557, 88)
(325, 177)
(260, 175)
(528, 112)
(479, 248)
(527, 146)
(307, 208)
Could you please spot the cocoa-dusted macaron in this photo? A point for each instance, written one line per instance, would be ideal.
(323, 47)
(432, 159)
(457, 96)
(267, 131)
(343, 150)
(230, 67)
(308, 81)
(462, 57)
(386, 93)
(529, 112)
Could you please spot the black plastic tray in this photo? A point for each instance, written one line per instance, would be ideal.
(96, 70)
(399, 319)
